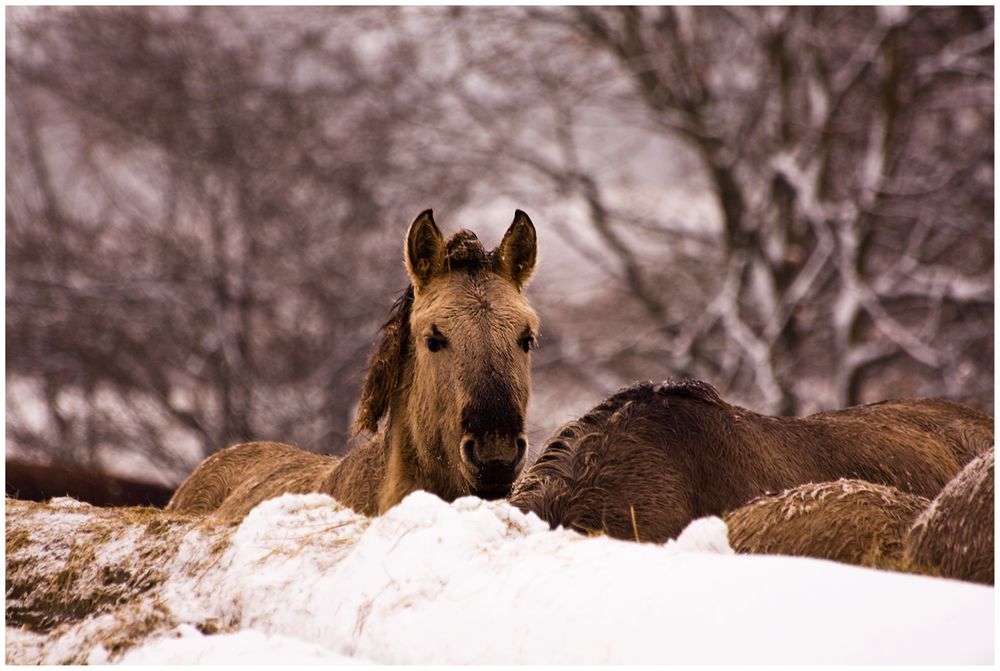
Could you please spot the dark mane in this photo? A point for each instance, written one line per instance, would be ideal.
(385, 367)
(386, 364)
(661, 392)
(689, 388)
(614, 408)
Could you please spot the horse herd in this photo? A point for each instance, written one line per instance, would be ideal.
(445, 398)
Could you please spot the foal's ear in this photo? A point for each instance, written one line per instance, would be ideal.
(515, 255)
(425, 250)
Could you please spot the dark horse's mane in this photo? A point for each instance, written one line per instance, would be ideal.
(614, 414)
(387, 362)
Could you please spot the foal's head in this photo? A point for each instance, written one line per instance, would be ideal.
(455, 362)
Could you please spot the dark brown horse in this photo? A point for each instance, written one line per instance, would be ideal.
(450, 378)
(653, 457)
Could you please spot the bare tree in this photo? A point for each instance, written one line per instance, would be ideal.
(849, 154)
(203, 225)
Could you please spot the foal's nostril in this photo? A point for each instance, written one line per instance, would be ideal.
(469, 451)
(491, 458)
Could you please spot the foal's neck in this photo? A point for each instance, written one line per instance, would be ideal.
(409, 465)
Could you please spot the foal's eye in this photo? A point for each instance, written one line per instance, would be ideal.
(435, 343)
(527, 342)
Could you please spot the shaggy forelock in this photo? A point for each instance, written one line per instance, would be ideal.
(466, 253)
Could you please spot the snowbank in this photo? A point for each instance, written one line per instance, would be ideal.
(187, 645)
(304, 580)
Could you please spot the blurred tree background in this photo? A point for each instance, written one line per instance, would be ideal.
(206, 208)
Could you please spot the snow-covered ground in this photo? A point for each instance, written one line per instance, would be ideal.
(304, 580)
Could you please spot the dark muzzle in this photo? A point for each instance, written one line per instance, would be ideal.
(494, 462)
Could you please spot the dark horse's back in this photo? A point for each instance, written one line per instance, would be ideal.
(916, 445)
(653, 457)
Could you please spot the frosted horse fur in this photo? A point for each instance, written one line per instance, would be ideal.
(954, 536)
(850, 521)
(451, 379)
(653, 457)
